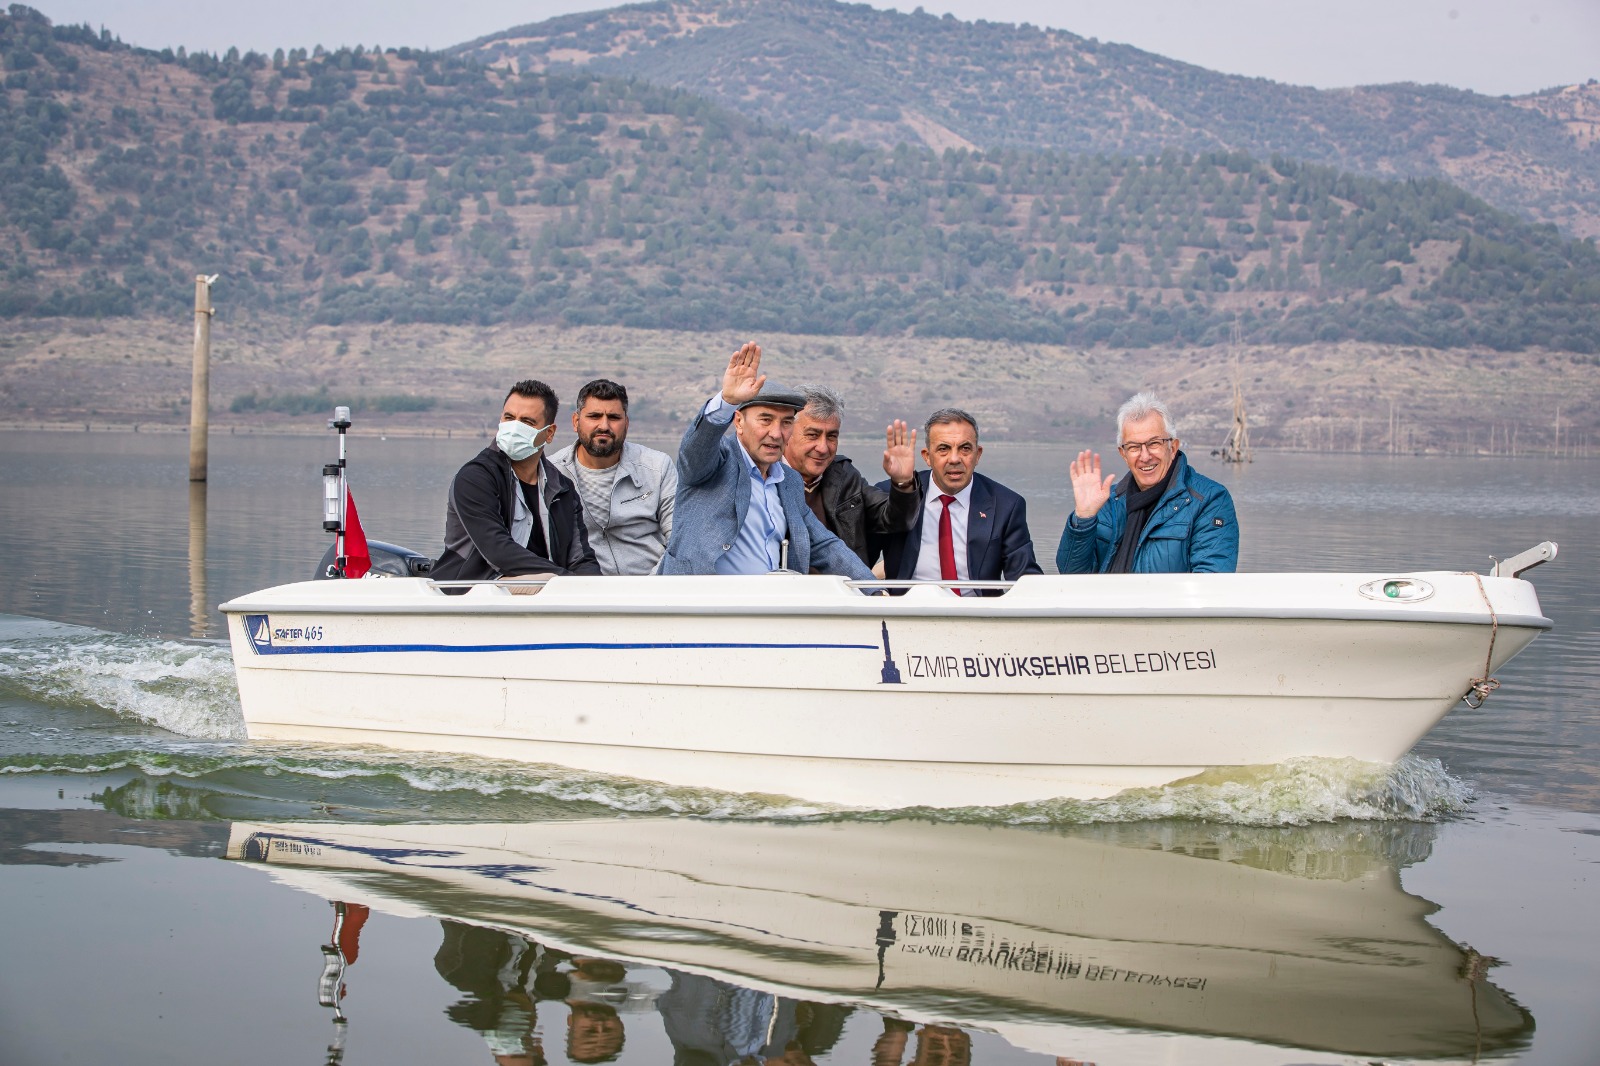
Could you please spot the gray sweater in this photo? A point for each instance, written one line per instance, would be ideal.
(632, 537)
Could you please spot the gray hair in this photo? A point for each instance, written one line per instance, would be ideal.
(822, 403)
(1142, 405)
(946, 415)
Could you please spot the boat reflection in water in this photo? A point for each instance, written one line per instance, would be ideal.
(1085, 943)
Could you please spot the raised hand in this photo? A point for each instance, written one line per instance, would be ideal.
(743, 379)
(1089, 491)
(900, 456)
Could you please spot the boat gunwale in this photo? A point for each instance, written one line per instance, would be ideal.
(891, 608)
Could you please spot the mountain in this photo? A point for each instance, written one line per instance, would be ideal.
(414, 187)
(849, 70)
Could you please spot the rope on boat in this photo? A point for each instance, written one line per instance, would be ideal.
(1478, 688)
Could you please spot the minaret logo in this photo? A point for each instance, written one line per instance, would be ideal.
(891, 672)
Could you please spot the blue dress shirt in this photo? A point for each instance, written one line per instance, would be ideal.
(759, 545)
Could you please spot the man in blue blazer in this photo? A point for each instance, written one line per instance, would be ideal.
(971, 528)
(739, 509)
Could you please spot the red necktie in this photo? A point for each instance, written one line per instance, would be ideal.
(947, 542)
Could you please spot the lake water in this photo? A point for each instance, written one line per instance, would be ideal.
(175, 893)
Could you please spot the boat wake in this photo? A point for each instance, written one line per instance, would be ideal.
(185, 688)
(1297, 792)
(376, 784)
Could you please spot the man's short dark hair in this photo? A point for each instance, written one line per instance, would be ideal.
(603, 389)
(537, 390)
(946, 415)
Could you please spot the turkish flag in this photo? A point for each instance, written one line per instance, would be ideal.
(358, 560)
(349, 939)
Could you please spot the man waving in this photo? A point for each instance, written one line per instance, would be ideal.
(1163, 517)
(739, 510)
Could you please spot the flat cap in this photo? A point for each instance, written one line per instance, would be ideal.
(774, 395)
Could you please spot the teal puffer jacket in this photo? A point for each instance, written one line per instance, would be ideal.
(1193, 529)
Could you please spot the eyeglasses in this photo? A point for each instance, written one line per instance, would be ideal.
(1154, 446)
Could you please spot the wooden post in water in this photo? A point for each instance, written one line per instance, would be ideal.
(200, 384)
(199, 607)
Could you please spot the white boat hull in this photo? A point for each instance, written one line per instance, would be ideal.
(802, 686)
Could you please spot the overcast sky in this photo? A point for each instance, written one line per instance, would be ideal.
(1491, 46)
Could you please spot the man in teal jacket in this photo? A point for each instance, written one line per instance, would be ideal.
(1163, 517)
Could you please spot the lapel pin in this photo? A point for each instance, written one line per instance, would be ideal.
(982, 515)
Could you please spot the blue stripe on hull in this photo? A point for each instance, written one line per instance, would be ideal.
(367, 649)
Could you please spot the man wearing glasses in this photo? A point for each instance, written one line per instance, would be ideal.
(1162, 518)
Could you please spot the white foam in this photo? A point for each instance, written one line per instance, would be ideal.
(1305, 792)
(1297, 792)
(183, 688)
(442, 774)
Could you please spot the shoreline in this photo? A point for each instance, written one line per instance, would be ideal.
(1342, 398)
(654, 436)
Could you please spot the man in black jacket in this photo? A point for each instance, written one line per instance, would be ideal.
(510, 513)
(853, 510)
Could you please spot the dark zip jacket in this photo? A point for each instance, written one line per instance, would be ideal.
(863, 515)
(479, 508)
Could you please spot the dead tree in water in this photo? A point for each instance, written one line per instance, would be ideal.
(1236, 449)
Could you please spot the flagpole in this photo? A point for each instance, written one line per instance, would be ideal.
(336, 494)
(341, 421)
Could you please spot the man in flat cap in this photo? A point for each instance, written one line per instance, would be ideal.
(739, 509)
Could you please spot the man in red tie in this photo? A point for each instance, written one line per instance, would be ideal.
(971, 528)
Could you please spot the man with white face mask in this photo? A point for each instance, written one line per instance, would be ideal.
(509, 512)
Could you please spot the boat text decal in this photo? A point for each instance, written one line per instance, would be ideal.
(265, 639)
(972, 943)
(1072, 665)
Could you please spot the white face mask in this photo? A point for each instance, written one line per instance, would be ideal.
(516, 439)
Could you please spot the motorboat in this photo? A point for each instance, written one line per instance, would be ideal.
(885, 695)
(1107, 943)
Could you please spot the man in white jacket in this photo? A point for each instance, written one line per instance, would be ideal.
(627, 489)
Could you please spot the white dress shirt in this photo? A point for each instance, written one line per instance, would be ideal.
(928, 554)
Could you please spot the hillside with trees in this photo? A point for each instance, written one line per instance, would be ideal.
(403, 186)
(882, 77)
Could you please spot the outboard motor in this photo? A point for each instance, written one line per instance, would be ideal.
(391, 560)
